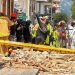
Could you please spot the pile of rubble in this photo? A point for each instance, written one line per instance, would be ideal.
(47, 63)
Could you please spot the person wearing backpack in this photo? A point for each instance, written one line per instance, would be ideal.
(42, 31)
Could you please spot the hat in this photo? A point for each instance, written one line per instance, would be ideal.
(62, 21)
(44, 17)
(14, 15)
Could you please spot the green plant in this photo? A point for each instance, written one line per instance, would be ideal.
(60, 16)
(73, 9)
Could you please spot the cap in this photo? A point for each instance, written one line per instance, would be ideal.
(14, 15)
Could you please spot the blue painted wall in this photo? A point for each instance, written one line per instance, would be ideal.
(65, 6)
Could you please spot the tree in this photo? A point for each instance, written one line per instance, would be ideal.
(73, 9)
(60, 16)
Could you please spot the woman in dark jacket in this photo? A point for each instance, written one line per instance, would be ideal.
(26, 31)
(19, 30)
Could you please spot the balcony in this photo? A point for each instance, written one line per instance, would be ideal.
(56, 5)
(56, 1)
(41, 0)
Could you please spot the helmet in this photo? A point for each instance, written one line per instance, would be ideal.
(63, 21)
(14, 15)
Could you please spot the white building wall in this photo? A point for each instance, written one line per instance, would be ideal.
(28, 8)
(37, 7)
(42, 11)
(24, 5)
(41, 8)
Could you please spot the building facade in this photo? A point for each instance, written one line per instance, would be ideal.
(23, 6)
(46, 6)
(6, 6)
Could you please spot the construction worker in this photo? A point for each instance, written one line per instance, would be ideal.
(41, 30)
(33, 32)
(56, 36)
(49, 34)
(5, 24)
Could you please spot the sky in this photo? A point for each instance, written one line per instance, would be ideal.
(65, 6)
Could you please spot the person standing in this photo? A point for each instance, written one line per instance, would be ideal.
(72, 35)
(13, 18)
(56, 36)
(73, 40)
(5, 24)
(42, 31)
(49, 38)
(33, 32)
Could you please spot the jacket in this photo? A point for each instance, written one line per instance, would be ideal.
(5, 23)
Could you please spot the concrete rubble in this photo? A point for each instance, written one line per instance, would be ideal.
(44, 62)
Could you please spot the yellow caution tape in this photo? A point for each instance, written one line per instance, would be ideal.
(38, 47)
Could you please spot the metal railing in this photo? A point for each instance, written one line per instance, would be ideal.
(38, 47)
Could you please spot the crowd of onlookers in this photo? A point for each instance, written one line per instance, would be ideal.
(42, 32)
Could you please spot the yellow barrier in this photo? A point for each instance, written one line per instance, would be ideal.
(38, 47)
